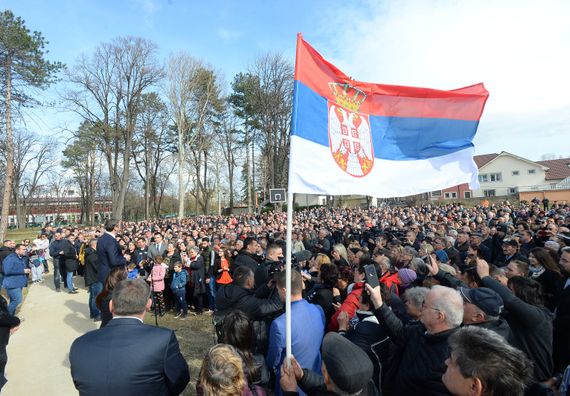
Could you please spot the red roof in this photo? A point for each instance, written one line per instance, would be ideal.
(481, 160)
(559, 168)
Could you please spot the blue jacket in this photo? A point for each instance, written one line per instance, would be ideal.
(179, 280)
(14, 275)
(110, 255)
(307, 332)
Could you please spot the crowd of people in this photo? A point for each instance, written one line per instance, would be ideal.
(433, 299)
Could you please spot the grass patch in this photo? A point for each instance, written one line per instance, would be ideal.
(19, 235)
(195, 336)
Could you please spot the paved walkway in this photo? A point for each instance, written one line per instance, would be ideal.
(38, 352)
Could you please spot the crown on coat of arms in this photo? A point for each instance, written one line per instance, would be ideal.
(347, 96)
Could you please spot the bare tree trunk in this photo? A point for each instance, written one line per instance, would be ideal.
(181, 184)
(249, 202)
(9, 151)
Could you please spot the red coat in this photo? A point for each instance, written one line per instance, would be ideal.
(391, 280)
(350, 305)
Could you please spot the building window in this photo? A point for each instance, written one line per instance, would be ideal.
(466, 194)
(516, 173)
(496, 177)
(531, 171)
(483, 178)
(436, 193)
(513, 191)
(450, 195)
(489, 193)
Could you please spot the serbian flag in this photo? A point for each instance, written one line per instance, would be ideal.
(352, 137)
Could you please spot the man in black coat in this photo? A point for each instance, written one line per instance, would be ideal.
(92, 279)
(273, 260)
(8, 325)
(109, 251)
(562, 317)
(419, 362)
(482, 307)
(56, 252)
(248, 256)
(530, 321)
(5, 250)
(259, 305)
(127, 357)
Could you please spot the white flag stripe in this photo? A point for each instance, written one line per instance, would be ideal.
(314, 171)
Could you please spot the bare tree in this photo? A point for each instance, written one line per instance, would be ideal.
(181, 75)
(273, 111)
(154, 144)
(108, 89)
(228, 141)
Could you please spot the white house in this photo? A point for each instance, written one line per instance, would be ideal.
(505, 173)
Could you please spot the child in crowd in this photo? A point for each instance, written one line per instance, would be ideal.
(178, 286)
(133, 271)
(36, 264)
(156, 279)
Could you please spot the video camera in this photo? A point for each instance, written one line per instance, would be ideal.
(296, 258)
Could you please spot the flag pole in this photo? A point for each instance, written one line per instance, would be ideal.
(288, 277)
(289, 245)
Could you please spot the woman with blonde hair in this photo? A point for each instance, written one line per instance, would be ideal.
(222, 373)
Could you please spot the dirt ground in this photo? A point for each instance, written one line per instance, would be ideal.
(195, 336)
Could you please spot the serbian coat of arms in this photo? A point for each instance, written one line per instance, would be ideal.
(350, 139)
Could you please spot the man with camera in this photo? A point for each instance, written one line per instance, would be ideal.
(248, 256)
(273, 263)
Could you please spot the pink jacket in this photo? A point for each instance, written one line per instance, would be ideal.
(157, 278)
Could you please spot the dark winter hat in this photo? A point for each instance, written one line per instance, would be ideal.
(303, 255)
(503, 228)
(349, 366)
(511, 242)
(488, 300)
(407, 276)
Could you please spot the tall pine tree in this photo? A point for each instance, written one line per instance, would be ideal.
(23, 67)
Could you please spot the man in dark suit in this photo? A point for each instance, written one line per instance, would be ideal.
(109, 251)
(128, 357)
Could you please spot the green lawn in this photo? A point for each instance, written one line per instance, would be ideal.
(19, 235)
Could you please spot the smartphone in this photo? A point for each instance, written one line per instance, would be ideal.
(371, 275)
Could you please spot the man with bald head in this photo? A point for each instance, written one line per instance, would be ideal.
(422, 347)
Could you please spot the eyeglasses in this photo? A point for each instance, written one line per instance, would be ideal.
(425, 306)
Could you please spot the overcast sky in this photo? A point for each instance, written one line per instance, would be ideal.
(519, 49)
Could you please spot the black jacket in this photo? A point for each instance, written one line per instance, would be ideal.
(531, 326)
(552, 284)
(7, 321)
(501, 327)
(321, 295)
(4, 252)
(420, 359)
(128, 358)
(91, 266)
(247, 259)
(562, 330)
(70, 254)
(257, 306)
(233, 297)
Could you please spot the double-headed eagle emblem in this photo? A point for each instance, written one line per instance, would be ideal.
(350, 139)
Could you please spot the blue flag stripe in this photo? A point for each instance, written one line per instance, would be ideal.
(394, 138)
